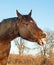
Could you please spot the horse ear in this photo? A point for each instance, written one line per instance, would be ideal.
(18, 14)
(30, 13)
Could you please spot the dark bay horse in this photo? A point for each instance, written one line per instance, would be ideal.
(22, 26)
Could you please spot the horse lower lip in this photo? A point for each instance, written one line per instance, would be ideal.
(42, 41)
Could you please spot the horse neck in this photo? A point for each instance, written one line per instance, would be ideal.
(11, 31)
(15, 30)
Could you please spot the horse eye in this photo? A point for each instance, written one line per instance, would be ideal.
(26, 23)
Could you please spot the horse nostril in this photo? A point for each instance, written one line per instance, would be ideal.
(44, 35)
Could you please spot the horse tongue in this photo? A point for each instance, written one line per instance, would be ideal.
(42, 41)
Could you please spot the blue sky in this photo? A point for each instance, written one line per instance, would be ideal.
(42, 11)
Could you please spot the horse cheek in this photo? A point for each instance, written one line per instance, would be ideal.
(24, 33)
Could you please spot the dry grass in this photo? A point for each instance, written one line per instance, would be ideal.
(29, 60)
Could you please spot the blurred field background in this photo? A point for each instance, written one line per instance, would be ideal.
(29, 60)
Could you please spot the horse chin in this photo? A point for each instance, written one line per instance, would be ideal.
(41, 41)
